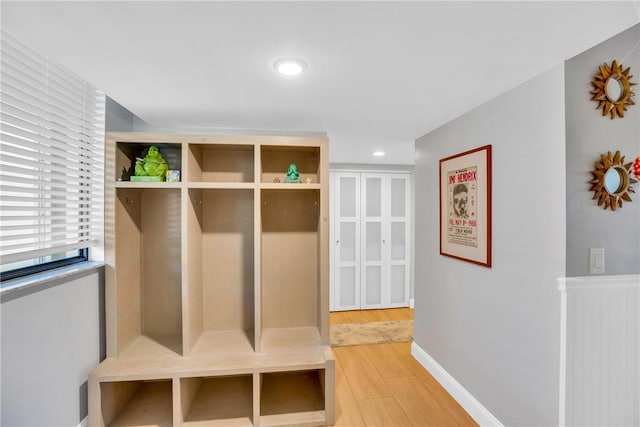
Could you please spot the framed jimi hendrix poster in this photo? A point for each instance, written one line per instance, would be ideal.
(465, 206)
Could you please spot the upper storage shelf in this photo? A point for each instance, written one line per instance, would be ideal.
(128, 152)
(221, 163)
(277, 159)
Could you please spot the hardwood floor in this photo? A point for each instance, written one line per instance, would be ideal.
(383, 385)
(364, 316)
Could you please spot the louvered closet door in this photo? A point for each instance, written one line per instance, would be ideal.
(345, 289)
(385, 240)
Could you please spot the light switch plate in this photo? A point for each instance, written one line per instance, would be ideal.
(596, 260)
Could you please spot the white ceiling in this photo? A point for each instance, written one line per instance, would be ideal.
(381, 74)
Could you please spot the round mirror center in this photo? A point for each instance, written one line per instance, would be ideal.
(613, 180)
(614, 89)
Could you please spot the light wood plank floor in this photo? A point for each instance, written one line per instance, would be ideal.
(365, 316)
(383, 385)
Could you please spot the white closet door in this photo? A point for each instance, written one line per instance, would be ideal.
(370, 240)
(373, 241)
(398, 186)
(345, 290)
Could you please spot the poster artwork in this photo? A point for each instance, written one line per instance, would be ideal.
(462, 191)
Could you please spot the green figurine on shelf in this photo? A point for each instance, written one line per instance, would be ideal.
(292, 174)
(153, 167)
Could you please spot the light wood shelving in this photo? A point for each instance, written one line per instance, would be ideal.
(217, 287)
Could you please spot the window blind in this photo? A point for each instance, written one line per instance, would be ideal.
(51, 157)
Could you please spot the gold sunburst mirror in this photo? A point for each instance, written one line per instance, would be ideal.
(612, 181)
(612, 89)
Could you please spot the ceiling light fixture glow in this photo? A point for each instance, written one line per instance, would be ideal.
(290, 66)
(378, 153)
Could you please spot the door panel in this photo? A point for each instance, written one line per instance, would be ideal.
(397, 283)
(398, 197)
(345, 238)
(348, 241)
(398, 241)
(348, 288)
(398, 273)
(373, 286)
(373, 241)
(373, 197)
(348, 195)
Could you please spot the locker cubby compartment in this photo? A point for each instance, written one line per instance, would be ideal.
(221, 163)
(290, 269)
(220, 265)
(292, 397)
(276, 160)
(136, 403)
(127, 152)
(217, 401)
(146, 293)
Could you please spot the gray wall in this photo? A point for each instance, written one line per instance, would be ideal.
(118, 118)
(589, 135)
(50, 343)
(497, 330)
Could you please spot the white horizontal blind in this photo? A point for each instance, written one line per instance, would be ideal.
(51, 157)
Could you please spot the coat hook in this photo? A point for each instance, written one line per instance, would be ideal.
(129, 201)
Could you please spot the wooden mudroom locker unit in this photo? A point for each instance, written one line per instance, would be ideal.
(217, 286)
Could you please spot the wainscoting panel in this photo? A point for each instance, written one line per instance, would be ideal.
(600, 351)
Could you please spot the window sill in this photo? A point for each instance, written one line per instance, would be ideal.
(39, 279)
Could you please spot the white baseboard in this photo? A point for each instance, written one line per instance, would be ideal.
(474, 408)
(84, 422)
(412, 303)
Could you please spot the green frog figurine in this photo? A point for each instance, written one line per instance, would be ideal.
(153, 167)
(292, 174)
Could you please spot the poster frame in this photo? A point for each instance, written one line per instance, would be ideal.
(458, 239)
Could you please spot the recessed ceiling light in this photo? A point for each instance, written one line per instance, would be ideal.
(290, 66)
(378, 153)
